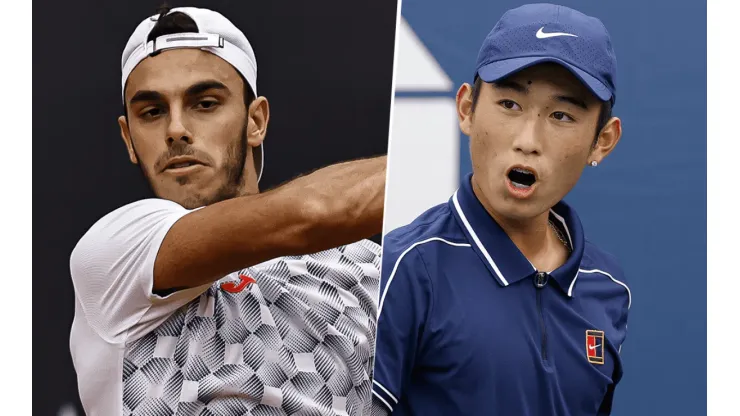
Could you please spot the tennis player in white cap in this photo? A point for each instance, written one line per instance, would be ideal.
(205, 300)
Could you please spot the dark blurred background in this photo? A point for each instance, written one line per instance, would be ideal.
(326, 68)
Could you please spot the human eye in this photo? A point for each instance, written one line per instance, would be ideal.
(207, 104)
(561, 116)
(151, 112)
(510, 105)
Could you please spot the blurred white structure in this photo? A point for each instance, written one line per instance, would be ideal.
(424, 150)
(67, 410)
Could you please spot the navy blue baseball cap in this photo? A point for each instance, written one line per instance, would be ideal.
(537, 33)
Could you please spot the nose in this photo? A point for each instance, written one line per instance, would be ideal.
(177, 130)
(527, 140)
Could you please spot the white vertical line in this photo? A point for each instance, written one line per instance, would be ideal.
(477, 241)
(390, 118)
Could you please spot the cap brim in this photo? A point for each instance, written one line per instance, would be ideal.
(501, 69)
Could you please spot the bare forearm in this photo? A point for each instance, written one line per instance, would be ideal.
(335, 205)
(349, 199)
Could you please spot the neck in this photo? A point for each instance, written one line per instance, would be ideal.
(249, 184)
(534, 238)
(250, 189)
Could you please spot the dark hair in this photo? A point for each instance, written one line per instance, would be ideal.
(605, 114)
(179, 22)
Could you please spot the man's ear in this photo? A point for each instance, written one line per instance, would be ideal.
(464, 100)
(607, 140)
(126, 136)
(259, 116)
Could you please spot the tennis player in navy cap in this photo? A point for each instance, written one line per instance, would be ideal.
(495, 303)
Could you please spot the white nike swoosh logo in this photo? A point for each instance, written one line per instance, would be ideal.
(543, 35)
(593, 347)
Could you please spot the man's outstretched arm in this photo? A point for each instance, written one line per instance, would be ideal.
(139, 263)
(336, 205)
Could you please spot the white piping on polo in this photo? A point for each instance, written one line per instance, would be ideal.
(386, 391)
(629, 294)
(477, 241)
(398, 261)
(375, 393)
(572, 283)
(562, 220)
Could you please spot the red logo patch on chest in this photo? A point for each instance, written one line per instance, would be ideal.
(236, 287)
(595, 346)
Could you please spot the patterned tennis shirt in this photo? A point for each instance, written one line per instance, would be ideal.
(291, 336)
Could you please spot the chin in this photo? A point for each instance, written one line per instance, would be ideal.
(520, 211)
(193, 204)
(187, 198)
(189, 201)
(503, 205)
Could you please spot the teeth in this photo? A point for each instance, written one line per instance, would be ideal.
(519, 185)
(522, 171)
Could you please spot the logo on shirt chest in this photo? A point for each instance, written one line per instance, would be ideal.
(237, 285)
(595, 346)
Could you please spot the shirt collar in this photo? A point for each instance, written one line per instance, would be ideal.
(500, 255)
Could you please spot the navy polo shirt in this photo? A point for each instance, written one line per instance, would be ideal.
(468, 326)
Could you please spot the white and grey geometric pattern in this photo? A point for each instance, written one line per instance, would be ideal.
(299, 341)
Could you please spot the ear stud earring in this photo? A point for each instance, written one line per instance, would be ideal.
(594, 163)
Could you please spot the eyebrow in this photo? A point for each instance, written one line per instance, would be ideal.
(195, 89)
(506, 84)
(146, 96)
(204, 86)
(572, 100)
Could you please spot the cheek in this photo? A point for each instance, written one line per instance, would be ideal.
(219, 136)
(148, 145)
(488, 141)
(225, 129)
(570, 162)
(481, 150)
(572, 148)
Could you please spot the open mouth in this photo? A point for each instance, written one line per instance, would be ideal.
(522, 178)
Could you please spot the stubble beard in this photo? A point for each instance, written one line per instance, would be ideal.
(234, 170)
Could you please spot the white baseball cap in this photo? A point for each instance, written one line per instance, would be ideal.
(216, 34)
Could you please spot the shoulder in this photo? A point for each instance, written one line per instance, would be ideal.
(112, 268)
(409, 250)
(597, 262)
(142, 209)
(434, 227)
(139, 213)
(595, 257)
(124, 231)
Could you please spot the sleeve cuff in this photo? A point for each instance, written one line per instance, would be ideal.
(384, 395)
